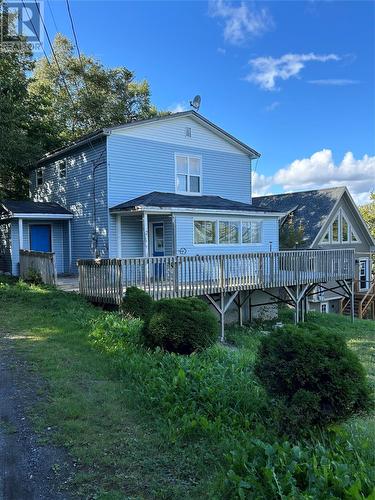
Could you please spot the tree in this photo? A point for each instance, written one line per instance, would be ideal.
(81, 95)
(291, 234)
(368, 213)
(23, 135)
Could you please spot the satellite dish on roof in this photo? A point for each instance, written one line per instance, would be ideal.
(196, 102)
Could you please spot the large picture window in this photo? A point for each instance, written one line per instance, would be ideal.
(188, 174)
(227, 232)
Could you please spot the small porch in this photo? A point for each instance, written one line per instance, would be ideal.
(39, 227)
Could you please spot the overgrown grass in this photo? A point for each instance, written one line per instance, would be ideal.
(152, 424)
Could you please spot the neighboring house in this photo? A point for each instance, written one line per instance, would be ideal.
(173, 185)
(328, 218)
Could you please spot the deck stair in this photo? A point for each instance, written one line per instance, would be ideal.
(364, 303)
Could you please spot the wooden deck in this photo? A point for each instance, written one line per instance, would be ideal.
(105, 280)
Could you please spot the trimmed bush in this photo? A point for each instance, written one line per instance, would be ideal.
(316, 378)
(182, 325)
(137, 303)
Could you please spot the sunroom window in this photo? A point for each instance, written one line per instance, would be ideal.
(229, 232)
(251, 232)
(204, 232)
(188, 174)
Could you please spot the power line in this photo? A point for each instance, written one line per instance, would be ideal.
(36, 33)
(52, 15)
(75, 36)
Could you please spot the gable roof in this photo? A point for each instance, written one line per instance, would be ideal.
(11, 208)
(192, 114)
(158, 199)
(309, 208)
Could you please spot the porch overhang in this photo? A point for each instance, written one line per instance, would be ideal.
(172, 203)
(27, 209)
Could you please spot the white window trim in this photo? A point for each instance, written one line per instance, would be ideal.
(65, 163)
(327, 307)
(368, 278)
(340, 214)
(189, 193)
(220, 245)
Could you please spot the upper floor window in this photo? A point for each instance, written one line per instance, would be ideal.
(39, 177)
(188, 174)
(61, 166)
(340, 230)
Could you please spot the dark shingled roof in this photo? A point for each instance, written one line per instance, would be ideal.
(172, 200)
(33, 207)
(310, 208)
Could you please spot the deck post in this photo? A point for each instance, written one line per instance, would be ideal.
(222, 323)
(352, 295)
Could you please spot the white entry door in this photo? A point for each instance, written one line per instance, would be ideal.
(364, 272)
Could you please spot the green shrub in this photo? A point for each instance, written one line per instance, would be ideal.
(316, 378)
(34, 277)
(137, 303)
(182, 325)
(318, 468)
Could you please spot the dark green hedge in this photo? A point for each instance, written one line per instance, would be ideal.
(315, 377)
(181, 325)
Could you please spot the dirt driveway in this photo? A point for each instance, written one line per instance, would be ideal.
(29, 470)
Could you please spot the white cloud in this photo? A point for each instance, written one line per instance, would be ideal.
(319, 171)
(261, 184)
(272, 106)
(240, 20)
(266, 70)
(178, 107)
(221, 51)
(338, 82)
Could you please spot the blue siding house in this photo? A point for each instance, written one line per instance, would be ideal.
(172, 185)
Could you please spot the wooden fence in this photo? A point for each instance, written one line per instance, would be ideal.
(42, 263)
(104, 280)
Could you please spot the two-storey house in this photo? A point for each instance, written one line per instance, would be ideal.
(172, 185)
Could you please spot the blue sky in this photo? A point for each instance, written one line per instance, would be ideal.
(295, 80)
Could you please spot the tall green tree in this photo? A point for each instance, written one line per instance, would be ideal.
(291, 234)
(82, 95)
(368, 213)
(23, 134)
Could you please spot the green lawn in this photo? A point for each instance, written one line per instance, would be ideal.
(143, 424)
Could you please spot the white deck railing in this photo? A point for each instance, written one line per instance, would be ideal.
(105, 280)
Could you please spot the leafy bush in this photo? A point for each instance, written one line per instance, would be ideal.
(137, 303)
(316, 377)
(34, 277)
(182, 325)
(324, 468)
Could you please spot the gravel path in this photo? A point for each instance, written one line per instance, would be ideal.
(28, 469)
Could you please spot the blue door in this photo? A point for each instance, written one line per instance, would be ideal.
(40, 237)
(158, 247)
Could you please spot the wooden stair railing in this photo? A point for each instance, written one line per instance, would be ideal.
(367, 300)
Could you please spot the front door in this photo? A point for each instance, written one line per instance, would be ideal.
(158, 248)
(40, 237)
(363, 274)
